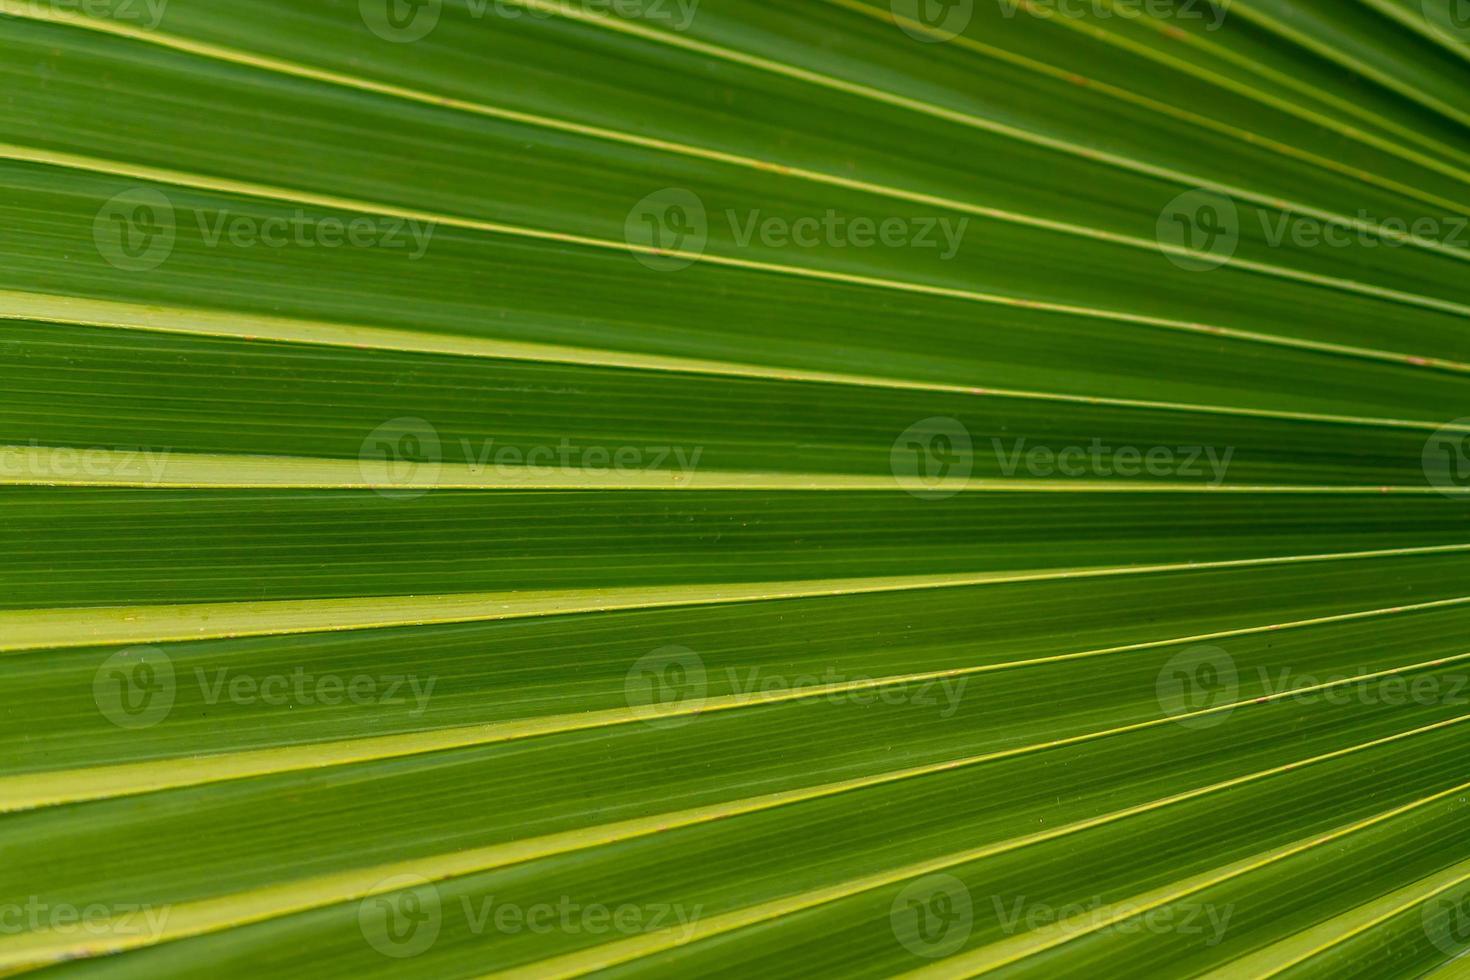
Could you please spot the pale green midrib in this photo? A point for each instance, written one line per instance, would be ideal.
(47, 465)
(1100, 33)
(262, 904)
(269, 192)
(284, 66)
(976, 122)
(1249, 137)
(1301, 39)
(44, 629)
(42, 789)
(1299, 947)
(114, 314)
(1420, 25)
(629, 950)
(1003, 954)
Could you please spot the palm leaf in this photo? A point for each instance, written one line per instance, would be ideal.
(726, 487)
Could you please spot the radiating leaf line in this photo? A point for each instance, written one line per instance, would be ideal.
(114, 314)
(608, 955)
(1163, 108)
(1097, 31)
(39, 948)
(47, 629)
(975, 122)
(282, 194)
(1286, 81)
(988, 959)
(59, 466)
(30, 791)
(1273, 960)
(1419, 24)
(1304, 40)
(341, 79)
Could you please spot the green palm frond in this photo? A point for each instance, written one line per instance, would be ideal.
(732, 487)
